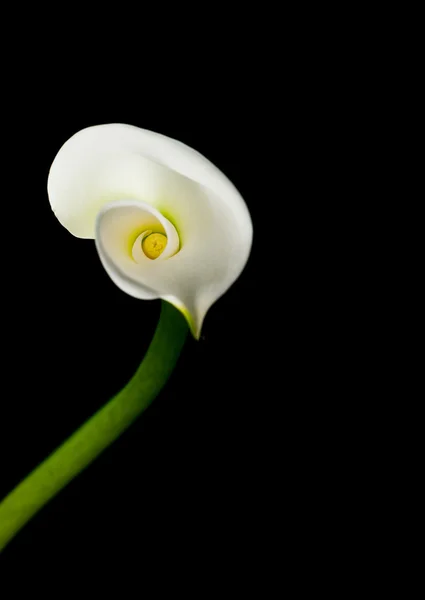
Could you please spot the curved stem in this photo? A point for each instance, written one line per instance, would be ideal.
(98, 432)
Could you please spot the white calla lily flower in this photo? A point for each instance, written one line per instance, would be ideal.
(167, 223)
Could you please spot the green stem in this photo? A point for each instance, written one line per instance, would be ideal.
(104, 427)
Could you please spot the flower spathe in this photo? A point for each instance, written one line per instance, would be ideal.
(167, 223)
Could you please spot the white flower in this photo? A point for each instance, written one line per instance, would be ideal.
(167, 223)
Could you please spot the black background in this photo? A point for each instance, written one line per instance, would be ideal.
(226, 472)
(193, 471)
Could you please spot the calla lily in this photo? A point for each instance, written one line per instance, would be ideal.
(167, 223)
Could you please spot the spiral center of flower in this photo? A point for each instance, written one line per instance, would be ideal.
(154, 244)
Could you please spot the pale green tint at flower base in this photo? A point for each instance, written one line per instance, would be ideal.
(186, 314)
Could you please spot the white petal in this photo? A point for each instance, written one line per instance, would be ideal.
(114, 171)
(118, 242)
